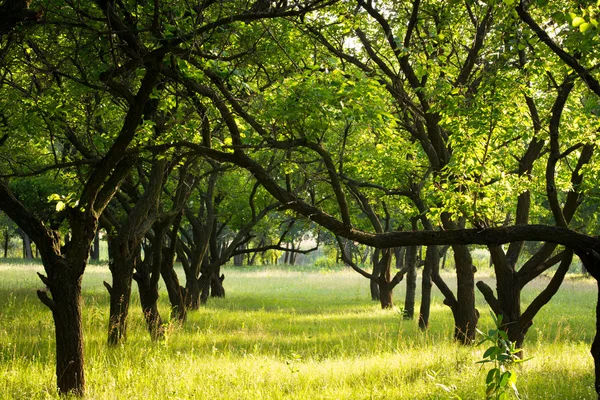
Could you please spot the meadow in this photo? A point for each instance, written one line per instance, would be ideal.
(290, 334)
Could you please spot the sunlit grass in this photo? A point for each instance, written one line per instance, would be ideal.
(289, 335)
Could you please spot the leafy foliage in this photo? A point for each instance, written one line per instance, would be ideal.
(501, 379)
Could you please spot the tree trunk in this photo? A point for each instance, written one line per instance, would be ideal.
(286, 255)
(466, 315)
(432, 257)
(95, 255)
(373, 285)
(386, 292)
(204, 283)
(509, 297)
(595, 350)
(121, 269)
(148, 300)
(27, 253)
(6, 242)
(399, 253)
(175, 291)
(411, 282)
(66, 311)
(192, 293)
(216, 283)
(386, 286)
(444, 258)
(591, 259)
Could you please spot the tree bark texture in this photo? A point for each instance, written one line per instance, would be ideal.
(175, 291)
(149, 302)
(121, 268)
(66, 312)
(432, 260)
(373, 285)
(410, 261)
(466, 315)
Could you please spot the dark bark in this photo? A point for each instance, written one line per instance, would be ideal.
(410, 262)
(465, 314)
(432, 260)
(147, 276)
(95, 254)
(216, 283)
(386, 295)
(373, 286)
(6, 241)
(595, 350)
(125, 248)
(149, 302)
(15, 12)
(204, 283)
(27, 253)
(174, 289)
(121, 268)
(385, 282)
(66, 311)
(192, 293)
(591, 259)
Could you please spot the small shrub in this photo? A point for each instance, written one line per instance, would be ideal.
(500, 380)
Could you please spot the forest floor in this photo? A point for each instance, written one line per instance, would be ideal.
(291, 334)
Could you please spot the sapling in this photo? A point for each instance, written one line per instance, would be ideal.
(500, 380)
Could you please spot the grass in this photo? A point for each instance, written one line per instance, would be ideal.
(289, 335)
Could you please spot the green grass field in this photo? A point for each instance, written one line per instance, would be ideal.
(289, 335)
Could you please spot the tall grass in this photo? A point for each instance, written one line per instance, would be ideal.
(283, 334)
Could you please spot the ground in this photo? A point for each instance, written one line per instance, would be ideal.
(290, 334)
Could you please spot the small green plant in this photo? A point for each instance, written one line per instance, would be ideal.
(500, 380)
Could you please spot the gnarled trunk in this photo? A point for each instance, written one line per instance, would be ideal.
(121, 268)
(66, 311)
(216, 284)
(149, 302)
(175, 291)
(192, 293)
(386, 295)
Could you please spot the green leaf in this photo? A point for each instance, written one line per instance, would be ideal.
(60, 206)
(491, 375)
(584, 27)
(54, 197)
(577, 21)
(490, 351)
(504, 379)
(509, 2)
